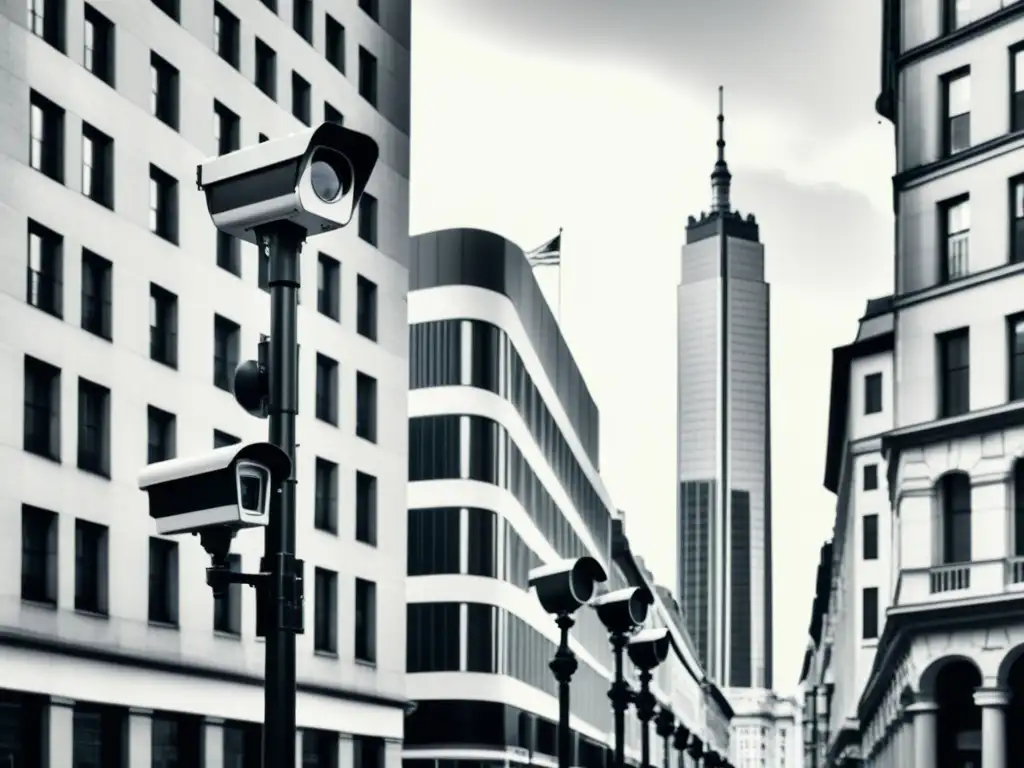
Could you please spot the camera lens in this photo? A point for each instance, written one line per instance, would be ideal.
(330, 175)
(249, 495)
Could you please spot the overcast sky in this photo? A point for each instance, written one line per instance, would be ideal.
(599, 116)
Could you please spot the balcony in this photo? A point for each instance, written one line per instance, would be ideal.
(959, 581)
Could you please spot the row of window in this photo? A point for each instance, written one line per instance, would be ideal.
(40, 565)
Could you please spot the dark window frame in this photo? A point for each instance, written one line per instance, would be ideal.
(1016, 217)
(334, 42)
(227, 128)
(869, 537)
(328, 286)
(99, 57)
(1015, 356)
(165, 91)
(367, 409)
(869, 613)
(45, 440)
(367, 307)
(226, 35)
(302, 19)
(369, 77)
(170, 7)
(44, 270)
(51, 24)
(369, 219)
(371, 8)
(870, 477)
(1016, 89)
(227, 608)
(98, 166)
(164, 582)
(40, 561)
(163, 205)
(332, 114)
(874, 397)
(951, 22)
(956, 502)
(325, 495)
(227, 343)
(365, 621)
(94, 429)
(51, 127)
(952, 401)
(97, 295)
(161, 434)
(956, 136)
(366, 508)
(229, 253)
(163, 326)
(327, 376)
(302, 99)
(325, 611)
(955, 239)
(91, 567)
(265, 74)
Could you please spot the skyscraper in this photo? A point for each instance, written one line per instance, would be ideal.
(724, 466)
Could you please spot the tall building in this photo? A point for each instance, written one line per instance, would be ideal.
(765, 730)
(724, 435)
(503, 477)
(122, 317)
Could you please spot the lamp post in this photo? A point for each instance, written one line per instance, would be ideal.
(665, 727)
(680, 738)
(647, 650)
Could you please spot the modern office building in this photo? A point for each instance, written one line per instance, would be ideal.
(765, 730)
(122, 317)
(724, 466)
(503, 477)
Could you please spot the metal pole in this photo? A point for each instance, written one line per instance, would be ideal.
(282, 244)
(645, 704)
(620, 694)
(564, 665)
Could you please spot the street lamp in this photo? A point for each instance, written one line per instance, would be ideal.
(562, 587)
(622, 612)
(665, 726)
(647, 650)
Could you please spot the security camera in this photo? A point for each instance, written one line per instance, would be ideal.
(226, 488)
(649, 648)
(313, 178)
(680, 737)
(696, 748)
(563, 586)
(623, 610)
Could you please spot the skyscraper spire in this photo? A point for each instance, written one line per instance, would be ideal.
(720, 177)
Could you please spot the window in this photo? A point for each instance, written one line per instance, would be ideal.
(954, 373)
(263, 138)
(1016, 336)
(326, 389)
(38, 555)
(955, 506)
(224, 439)
(956, 217)
(46, 19)
(227, 608)
(366, 621)
(368, 76)
(163, 205)
(319, 749)
(162, 438)
(46, 137)
(97, 166)
(434, 541)
(367, 751)
(1018, 508)
(368, 218)
(957, 101)
(869, 618)
(90, 567)
(171, 7)
(97, 296)
(870, 477)
(366, 308)
(45, 270)
(266, 69)
(955, 14)
(873, 393)
(481, 638)
(325, 503)
(163, 97)
(870, 543)
(302, 19)
(371, 8)
(42, 409)
(243, 745)
(434, 641)
(334, 43)
(332, 115)
(98, 45)
(1017, 220)
(163, 326)
(225, 34)
(229, 254)
(93, 427)
(325, 611)
(301, 99)
(163, 581)
(366, 508)
(226, 344)
(227, 128)
(271, 5)
(366, 407)
(328, 286)
(96, 736)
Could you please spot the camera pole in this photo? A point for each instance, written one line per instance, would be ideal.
(564, 665)
(281, 244)
(645, 705)
(621, 695)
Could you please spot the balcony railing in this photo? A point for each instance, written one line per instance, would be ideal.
(960, 580)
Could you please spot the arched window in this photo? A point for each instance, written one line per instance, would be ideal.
(1018, 507)
(955, 506)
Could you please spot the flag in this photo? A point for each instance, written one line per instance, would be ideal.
(548, 253)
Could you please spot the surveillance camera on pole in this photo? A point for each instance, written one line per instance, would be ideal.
(647, 650)
(277, 194)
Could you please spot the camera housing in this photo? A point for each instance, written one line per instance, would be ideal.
(649, 648)
(563, 586)
(313, 179)
(228, 487)
(623, 610)
(680, 738)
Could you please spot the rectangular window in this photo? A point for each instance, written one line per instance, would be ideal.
(227, 608)
(90, 567)
(368, 219)
(870, 548)
(162, 427)
(163, 205)
(319, 749)
(271, 5)
(1015, 327)
(372, 9)
(97, 166)
(93, 427)
(873, 393)
(301, 99)
(869, 617)
(226, 344)
(325, 503)
(328, 286)
(42, 409)
(46, 19)
(955, 14)
(223, 439)
(870, 477)
(97, 295)
(366, 308)
(366, 621)
(325, 611)
(266, 69)
(163, 326)
(46, 137)
(366, 407)
(955, 216)
(225, 34)
(955, 507)
(326, 389)
(366, 508)
(163, 581)
(368, 76)
(954, 350)
(956, 89)
(164, 82)
(229, 254)
(38, 555)
(368, 751)
(1017, 220)
(227, 129)
(334, 43)
(302, 19)
(98, 45)
(332, 115)
(45, 270)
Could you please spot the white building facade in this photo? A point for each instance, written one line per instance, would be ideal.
(122, 316)
(765, 730)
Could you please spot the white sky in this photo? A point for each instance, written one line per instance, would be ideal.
(521, 140)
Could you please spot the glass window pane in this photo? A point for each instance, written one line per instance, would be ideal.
(959, 95)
